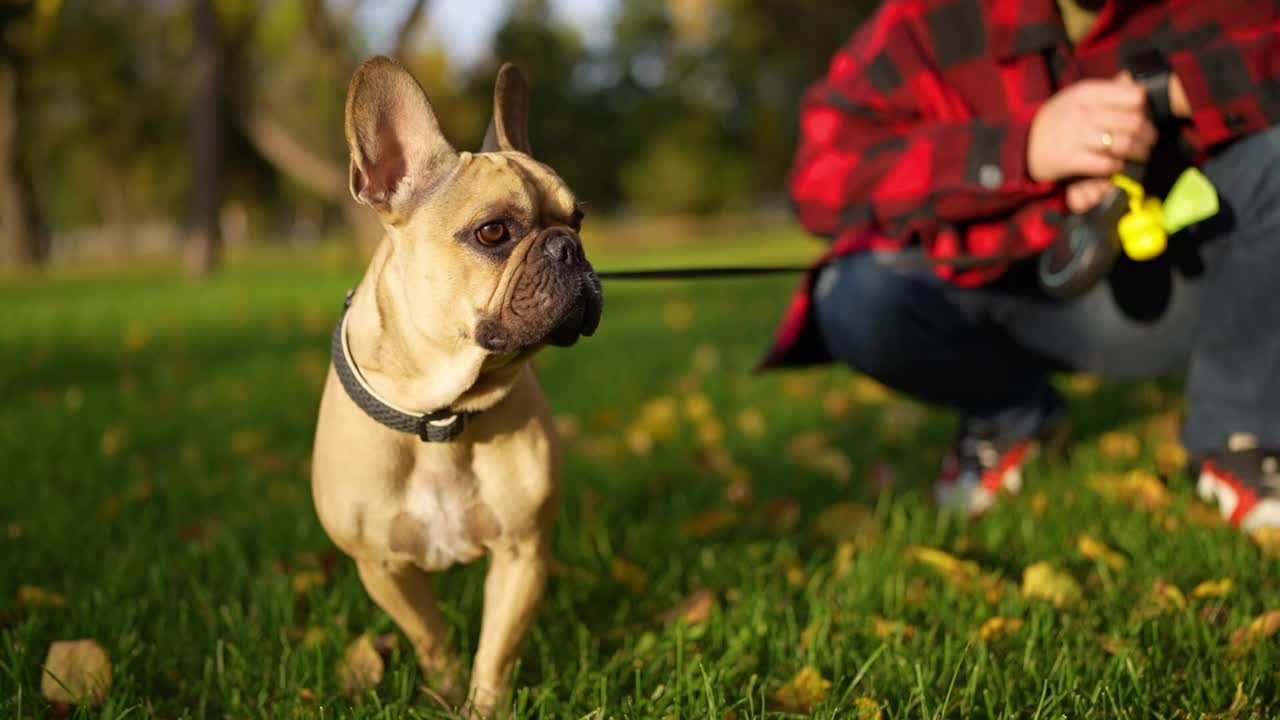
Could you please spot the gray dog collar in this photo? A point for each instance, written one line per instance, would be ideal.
(439, 426)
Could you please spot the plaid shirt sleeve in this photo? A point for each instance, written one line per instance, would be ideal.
(872, 155)
(1233, 86)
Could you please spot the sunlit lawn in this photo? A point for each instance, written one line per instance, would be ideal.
(730, 542)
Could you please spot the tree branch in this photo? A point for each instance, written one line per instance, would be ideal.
(407, 26)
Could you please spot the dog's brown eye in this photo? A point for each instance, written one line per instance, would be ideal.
(492, 233)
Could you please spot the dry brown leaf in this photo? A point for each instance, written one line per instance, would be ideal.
(629, 575)
(1261, 627)
(362, 667)
(1042, 581)
(76, 671)
(677, 315)
(710, 522)
(998, 627)
(1213, 588)
(837, 404)
(1094, 549)
(751, 422)
(804, 691)
(883, 628)
(1120, 446)
(31, 596)
(782, 513)
(694, 610)
(847, 521)
(568, 428)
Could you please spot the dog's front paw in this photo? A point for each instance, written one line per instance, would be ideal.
(444, 681)
(487, 705)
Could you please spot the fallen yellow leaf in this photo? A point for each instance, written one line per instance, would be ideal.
(998, 627)
(112, 440)
(37, 597)
(960, 572)
(1267, 540)
(1039, 503)
(1213, 588)
(844, 559)
(710, 433)
(706, 358)
(1123, 446)
(1042, 581)
(1138, 488)
(800, 694)
(796, 576)
(361, 667)
(1171, 457)
(1094, 549)
(870, 392)
(697, 407)
(694, 610)
(847, 522)
(751, 422)
(866, 708)
(677, 315)
(302, 582)
(883, 628)
(800, 385)
(805, 445)
(1162, 598)
(76, 671)
(837, 404)
(1263, 626)
(629, 575)
(710, 522)
(639, 440)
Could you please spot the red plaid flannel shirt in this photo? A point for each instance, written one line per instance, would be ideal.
(918, 132)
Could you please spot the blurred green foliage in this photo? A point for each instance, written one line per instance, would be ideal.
(690, 109)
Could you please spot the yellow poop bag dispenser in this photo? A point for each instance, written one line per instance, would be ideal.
(1145, 229)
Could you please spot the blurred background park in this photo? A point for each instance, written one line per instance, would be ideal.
(135, 128)
(176, 237)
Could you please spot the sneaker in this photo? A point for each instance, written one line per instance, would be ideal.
(1245, 484)
(982, 464)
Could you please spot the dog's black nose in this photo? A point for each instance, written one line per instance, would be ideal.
(562, 247)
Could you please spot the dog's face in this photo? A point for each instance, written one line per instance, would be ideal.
(486, 243)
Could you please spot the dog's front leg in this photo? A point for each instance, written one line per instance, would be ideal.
(513, 588)
(405, 593)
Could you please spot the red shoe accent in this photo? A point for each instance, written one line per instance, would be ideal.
(1246, 498)
(993, 479)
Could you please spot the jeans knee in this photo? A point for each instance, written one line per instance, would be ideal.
(863, 310)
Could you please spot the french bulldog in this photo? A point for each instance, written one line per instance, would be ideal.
(434, 444)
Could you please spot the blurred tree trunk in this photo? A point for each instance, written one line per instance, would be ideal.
(317, 171)
(23, 241)
(203, 252)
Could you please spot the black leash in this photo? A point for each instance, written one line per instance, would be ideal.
(707, 272)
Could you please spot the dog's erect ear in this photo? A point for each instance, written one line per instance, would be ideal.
(397, 150)
(509, 128)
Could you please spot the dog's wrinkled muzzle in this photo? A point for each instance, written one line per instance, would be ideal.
(556, 297)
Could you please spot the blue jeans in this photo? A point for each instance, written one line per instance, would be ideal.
(1209, 307)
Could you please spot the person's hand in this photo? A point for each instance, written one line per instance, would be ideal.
(1088, 129)
(1082, 195)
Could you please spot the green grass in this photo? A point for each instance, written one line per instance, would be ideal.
(154, 442)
